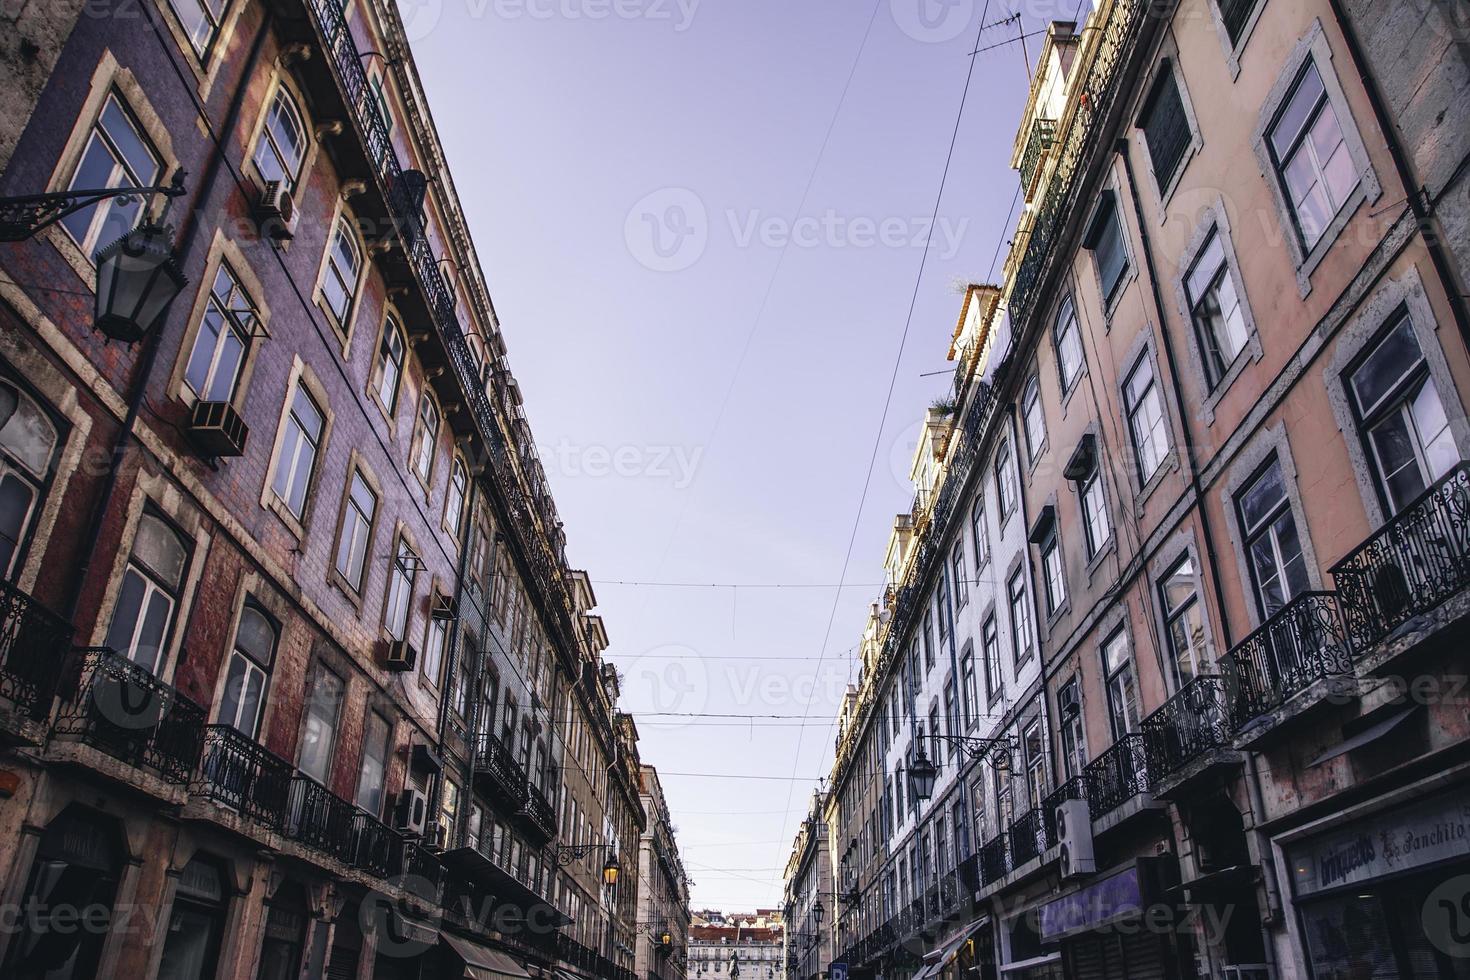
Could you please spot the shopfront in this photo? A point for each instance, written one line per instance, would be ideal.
(1119, 926)
(1387, 896)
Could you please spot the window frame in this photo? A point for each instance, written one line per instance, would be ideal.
(1033, 418)
(342, 320)
(1107, 214)
(92, 238)
(1110, 675)
(1064, 326)
(1018, 599)
(298, 385)
(1146, 480)
(283, 95)
(356, 471)
(1265, 527)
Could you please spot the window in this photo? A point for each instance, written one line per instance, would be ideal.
(357, 530)
(434, 642)
(423, 457)
(282, 145)
(200, 20)
(376, 734)
(1146, 419)
(1165, 126)
(385, 116)
(28, 441)
(1005, 481)
(1122, 692)
(117, 154)
(929, 640)
(1105, 240)
(1272, 544)
(390, 364)
(957, 566)
(339, 279)
(979, 532)
(895, 711)
(1074, 740)
(400, 590)
(1020, 618)
(1054, 575)
(319, 732)
(1400, 416)
(1004, 811)
(1215, 308)
(970, 693)
(242, 702)
(454, 499)
(1069, 345)
(1236, 14)
(991, 654)
(195, 923)
(1035, 418)
(1311, 157)
(299, 446)
(951, 716)
(223, 337)
(1183, 621)
(149, 594)
(448, 812)
(1035, 754)
(1095, 519)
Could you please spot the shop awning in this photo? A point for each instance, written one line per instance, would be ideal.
(484, 963)
(1370, 734)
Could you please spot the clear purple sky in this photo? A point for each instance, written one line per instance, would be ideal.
(707, 400)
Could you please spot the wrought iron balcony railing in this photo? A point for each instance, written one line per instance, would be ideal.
(1412, 564)
(1118, 775)
(320, 819)
(993, 859)
(120, 708)
(494, 761)
(373, 846)
(949, 892)
(1043, 135)
(1303, 643)
(1028, 837)
(1191, 723)
(413, 860)
(239, 773)
(34, 642)
(538, 815)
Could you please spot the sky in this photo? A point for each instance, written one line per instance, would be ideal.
(702, 223)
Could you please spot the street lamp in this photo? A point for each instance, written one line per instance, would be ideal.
(922, 774)
(565, 854)
(819, 910)
(137, 278)
(610, 871)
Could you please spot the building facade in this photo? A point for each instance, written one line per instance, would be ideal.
(295, 680)
(809, 898)
(1196, 515)
(737, 949)
(663, 890)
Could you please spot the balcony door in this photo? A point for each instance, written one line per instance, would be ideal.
(148, 598)
(28, 442)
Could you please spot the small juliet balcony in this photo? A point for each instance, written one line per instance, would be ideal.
(1028, 837)
(1189, 735)
(1296, 660)
(119, 708)
(993, 864)
(319, 819)
(241, 775)
(537, 816)
(498, 775)
(1117, 777)
(1402, 588)
(34, 643)
(1033, 158)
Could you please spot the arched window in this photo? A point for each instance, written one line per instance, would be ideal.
(1034, 417)
(390, 364)
(454, 500)
(242, 702)
(282, 144)
(149, 595)
(28, 443)
(423, 459)
(343, 271)
(1068, 344)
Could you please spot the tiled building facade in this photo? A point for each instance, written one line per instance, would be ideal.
(1166, 680)
(663, 890)
(294, 678)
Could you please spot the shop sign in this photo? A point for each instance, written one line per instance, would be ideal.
(1385, 843)
(1102, 902)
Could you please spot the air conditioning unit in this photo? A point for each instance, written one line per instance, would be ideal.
(401, 656)
(216, 429)
(1069, 701)
(275, 211)
(1074, 834)
(411, 812)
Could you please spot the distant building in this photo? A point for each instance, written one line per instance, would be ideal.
(734, 950)
(663, 890)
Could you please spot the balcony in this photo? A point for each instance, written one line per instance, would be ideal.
(243, 776)
(1038, 145)
(538, 816)
(371, 846)
(319, 819)
(1028, 837)
(500, 776)
(118, 707)
(1302, 650)
(1190, 733)
(1393, 587)
(33, 645)
(1073, 789)
(950, 893)
(417, 864)
(1117, 776)
(993, 860)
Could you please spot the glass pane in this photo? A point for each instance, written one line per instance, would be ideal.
(16, 497)
(94, 171)
(285, 465)
(1268, 576)
(186, 950)
(1396, 355)
(1440, 452)
(137, 155)
(1264, 496)
(1294, 565)
(1398, 464)
(234, 692)
(125, 612)
(160, 550)
(1294, 117)
(1205, 267)
(222, 386)
(197, 373)
(254, 694)
(1178, 585)
(255, 636)
(154, 629)
(306, 411)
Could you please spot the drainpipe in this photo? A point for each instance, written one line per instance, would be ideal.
(1418, 195)
(151, 345)
(1253, 783)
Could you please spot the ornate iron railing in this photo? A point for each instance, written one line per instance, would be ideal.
(1028, 837)
(949, 892)
(319, 818)
(506, 775)
(411, 859)
(1118, 775)
(932, 906)
(1043, 134)
(1303, 643)
(34, 642)
(115, 705)
(1194, 721)
(1412, 564)
(993, 859)
(243, 775)
(1118, 26)
(538, 814)
(373, 845)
